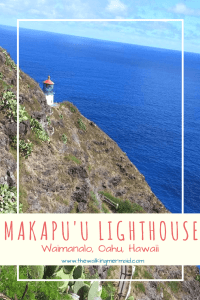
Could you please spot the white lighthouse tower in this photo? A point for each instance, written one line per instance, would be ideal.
(48, 86)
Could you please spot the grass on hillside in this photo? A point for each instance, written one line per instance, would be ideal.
(124, 206)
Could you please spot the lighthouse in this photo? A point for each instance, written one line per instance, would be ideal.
(48, 86)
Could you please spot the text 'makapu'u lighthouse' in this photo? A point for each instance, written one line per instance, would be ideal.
(48, 90)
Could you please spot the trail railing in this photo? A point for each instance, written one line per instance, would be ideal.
(110, 202)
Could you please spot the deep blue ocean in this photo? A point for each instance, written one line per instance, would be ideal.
(131, 92)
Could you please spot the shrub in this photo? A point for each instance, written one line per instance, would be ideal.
(24, 148)
(104, 294)
(123, 206)
(72, 109)
(198, 277)
(36, 272)
(35, 290)
(9, 61)
(8, 201)
(39, 130)
(108, 289)
(9, 106)
(128, 207)
(64, 138)
(81, 124)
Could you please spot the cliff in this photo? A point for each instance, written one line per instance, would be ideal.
(69, 165)
(65, 159)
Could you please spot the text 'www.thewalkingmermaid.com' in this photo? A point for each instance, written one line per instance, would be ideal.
(103, 261)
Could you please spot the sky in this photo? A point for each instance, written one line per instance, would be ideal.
(155, 33)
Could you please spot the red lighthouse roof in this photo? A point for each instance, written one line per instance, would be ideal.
(48, 81)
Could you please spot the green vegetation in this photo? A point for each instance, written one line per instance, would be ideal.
(140, 287)
(124, 206)
(174, 286)
(140, 272)
(39, 290)
(147, 275)
(36, 272)
(136, 273)
(39, 130)
(95, 276)
(110, 270)
(61, 116)
(72, 109)
(3, 85)
(51, 272)
(61, 199)
(110, 197)
(104, 294)
(9, 107)
(128, 207)
(9, 61)
(94, 198)
(73, 158)
(8, 200)
(24, 148)
(74, 209)
(108, 290)
(1, 75)
(166, 295)
(93, 208)
(64, 138)
(23, 196)
(84, 290)
(198, 277)
(93, 203)
(81, 124)
(48, 120)
(105, 209)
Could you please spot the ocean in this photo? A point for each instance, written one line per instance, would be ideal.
(131, 92)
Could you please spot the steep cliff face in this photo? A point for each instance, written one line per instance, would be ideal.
(8, 165)
(8, 162)
(68, 164)
(71, 159)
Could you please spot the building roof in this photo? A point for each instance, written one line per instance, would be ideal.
(48, 81)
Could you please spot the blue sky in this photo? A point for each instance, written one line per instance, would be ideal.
(156, 34)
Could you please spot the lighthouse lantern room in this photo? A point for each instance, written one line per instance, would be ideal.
(48, 86)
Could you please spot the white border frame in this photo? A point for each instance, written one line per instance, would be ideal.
(182, 90)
